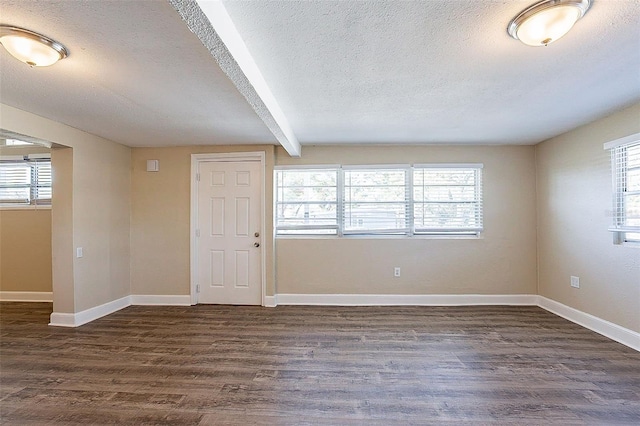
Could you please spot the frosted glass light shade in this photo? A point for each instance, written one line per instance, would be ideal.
(547, 21)
(31, 48)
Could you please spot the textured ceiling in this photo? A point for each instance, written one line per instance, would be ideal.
(432, 71)
(136, 75)
(438, 70)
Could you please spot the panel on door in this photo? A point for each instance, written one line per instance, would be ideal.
(229, 217)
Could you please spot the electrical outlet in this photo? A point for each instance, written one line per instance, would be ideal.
(396, 271)
(575, 282)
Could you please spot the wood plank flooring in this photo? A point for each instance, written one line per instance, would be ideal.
(224, 365)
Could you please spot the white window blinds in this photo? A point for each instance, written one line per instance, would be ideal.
(440, 199)
(15, 183)
(25, 182)
(41, 181)
(625, 165)
(376, 200)
(447, 199)
(306, 201)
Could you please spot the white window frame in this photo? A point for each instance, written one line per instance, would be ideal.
(477, 202)
(619, 174)
(311, 228)
(407, 230)
(35, 202)
(410, 231)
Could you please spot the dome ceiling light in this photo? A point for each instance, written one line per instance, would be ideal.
(547, 21)
(35, 50)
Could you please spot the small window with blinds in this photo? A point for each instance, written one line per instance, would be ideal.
(25, 182)
(375, 201)
(625, 166)
(306, 201)
(441, 199)
(447, 199)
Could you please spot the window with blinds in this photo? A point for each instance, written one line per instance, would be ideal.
(437, 199)
(306, 201)
(375, 201)
(447, 199)
(25, 182)
(625, 167)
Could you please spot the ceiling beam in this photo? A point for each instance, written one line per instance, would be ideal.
(211, 23)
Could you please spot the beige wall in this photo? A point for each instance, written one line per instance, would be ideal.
(62, 230)
(574, 212)
(25, 241)
(502, 262)
(101, 215)
(160, 218)
(94, 206)
(25, 244)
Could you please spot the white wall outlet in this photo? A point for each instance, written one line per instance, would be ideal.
(79, 252)
(575, 282)
(396, 271)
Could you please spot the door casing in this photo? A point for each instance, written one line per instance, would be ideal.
(196, 159)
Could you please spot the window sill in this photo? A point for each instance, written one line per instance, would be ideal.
(631, 244)
(30, 207)
(619, 239)
(380, 237)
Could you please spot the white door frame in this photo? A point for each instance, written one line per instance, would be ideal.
(196, 159)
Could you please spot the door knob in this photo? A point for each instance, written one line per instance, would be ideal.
(256, 244)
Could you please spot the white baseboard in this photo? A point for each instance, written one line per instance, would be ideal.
(75, 320)
(26, 296)
(270, 301)
(61, 319)
(161, 300)
(406, 299)
(608, 329)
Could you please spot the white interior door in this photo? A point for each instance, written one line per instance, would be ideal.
(228, 232)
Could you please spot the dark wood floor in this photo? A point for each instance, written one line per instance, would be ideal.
(223, 365)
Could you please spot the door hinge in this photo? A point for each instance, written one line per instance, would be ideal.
(198, 177)
(197, 232)
(197, 288)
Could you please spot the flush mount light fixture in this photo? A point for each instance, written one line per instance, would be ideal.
(35, 50)
(547, 21)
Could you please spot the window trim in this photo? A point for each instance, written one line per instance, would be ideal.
(620, 230)
(410, 231)
(407, 170)
(477, 167)
(308, 227)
